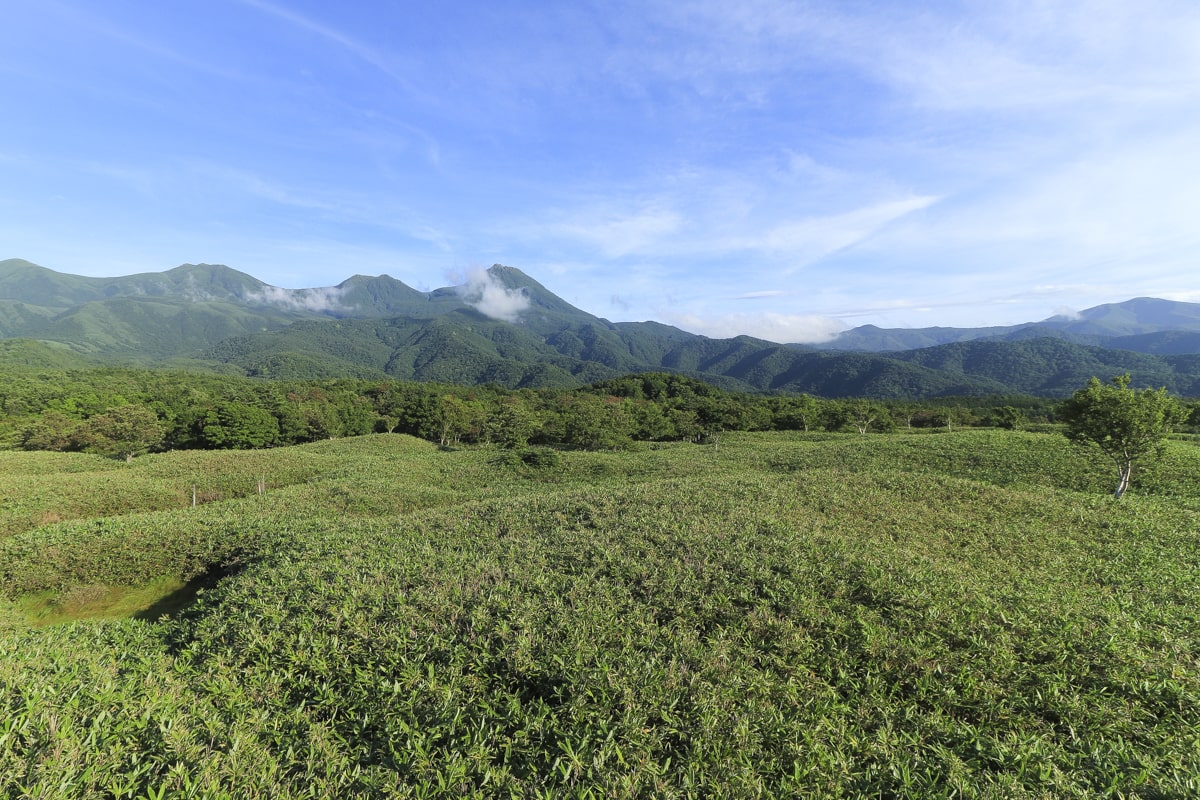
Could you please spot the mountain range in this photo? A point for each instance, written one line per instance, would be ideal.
(504, 327)
(1144, 324)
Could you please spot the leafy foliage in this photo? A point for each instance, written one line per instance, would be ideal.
(1126, 424)
(123, 432)
(52, 411)
(239, 426)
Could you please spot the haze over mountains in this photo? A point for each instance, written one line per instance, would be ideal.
(502, 326)
(1144, 324)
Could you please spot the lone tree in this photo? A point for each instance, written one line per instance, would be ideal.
(122, 432)
(1126, 424)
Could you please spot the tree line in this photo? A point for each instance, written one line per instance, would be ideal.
(123, 413)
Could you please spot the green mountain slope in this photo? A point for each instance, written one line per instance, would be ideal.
(29, 283)
(1160, 343)
(1137, 316)
(146, 329)
(1096, 326)
(27, 355)
(871, 338)
(17, 318)
(384, 296)
(1049, 367)
(504, 327)
(466, 347)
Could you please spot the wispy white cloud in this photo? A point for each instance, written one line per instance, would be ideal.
(99, 25)
(242, 189)
(619, 233)
(1111, 220)
(335, 205)
(783, 328)
(1002, 55)
(320, 300)
(721, 220)
(487, 295)
(933, 162)
(1066, 312)
(761, 295)
(1011, 55)
(246, 183)
(806, 240)
(347, 42)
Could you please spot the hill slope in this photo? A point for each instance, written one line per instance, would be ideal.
(1098, 326)
(779, 617)
(504, 327)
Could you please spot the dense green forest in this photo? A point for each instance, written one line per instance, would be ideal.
(74, 411)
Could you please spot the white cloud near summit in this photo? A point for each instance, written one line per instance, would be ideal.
(487, 295)
(321, 301)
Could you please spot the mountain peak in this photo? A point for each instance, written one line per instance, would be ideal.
(13, 264)
(540, 298)
(26, 282)
(382, 296)
(512, 277)
(215, 281)
(1137, 316)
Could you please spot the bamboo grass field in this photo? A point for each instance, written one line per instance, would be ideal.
(962, 614)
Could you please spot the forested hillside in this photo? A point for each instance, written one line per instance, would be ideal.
(1050, 367)
(1104, 325)
(509, 330)
(472, 349)
(168, 410)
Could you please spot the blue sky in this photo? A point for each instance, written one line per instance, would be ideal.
(782, 169)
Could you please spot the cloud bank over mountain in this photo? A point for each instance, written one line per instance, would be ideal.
(322, 300)
(792, 328)
(487, 295)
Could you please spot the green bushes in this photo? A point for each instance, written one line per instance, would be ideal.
(900, 616)
(42, 488)
(74, 411)
(535, 458)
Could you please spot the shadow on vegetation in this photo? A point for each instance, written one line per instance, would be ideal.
(182, 598)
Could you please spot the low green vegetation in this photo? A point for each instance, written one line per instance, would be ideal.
(956, 613)
(166, 595)
(1128, 426)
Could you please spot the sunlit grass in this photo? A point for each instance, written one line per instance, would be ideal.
(952, 615)
(165, 594)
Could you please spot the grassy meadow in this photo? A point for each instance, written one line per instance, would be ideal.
(955, 614)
